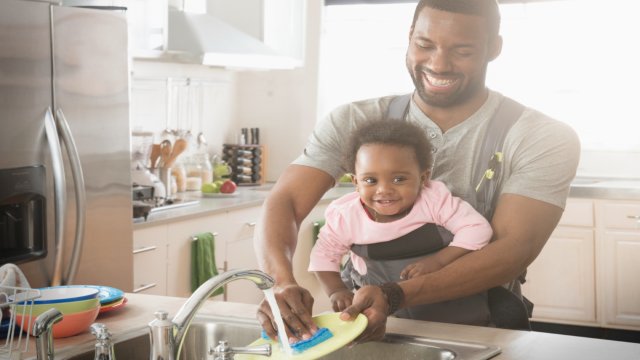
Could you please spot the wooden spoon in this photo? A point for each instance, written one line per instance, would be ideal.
(178, 148)
(155, 155)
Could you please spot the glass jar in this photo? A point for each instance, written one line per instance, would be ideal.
(199, 166)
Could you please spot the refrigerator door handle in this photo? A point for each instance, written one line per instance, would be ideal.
(80, 192)
(59, 194)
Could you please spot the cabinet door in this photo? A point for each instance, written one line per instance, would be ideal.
(561, 281)
(179, 239)
(321, 302)
(149, 260)
(279, 24)
(241, 254)
(621, 267)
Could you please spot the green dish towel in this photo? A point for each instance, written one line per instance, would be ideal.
(203, 261)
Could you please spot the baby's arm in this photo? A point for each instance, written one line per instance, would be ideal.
(433, 262)
(333, 286)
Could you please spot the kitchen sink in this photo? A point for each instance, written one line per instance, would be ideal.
(206, 331)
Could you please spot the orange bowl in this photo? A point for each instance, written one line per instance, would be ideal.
(70, 325)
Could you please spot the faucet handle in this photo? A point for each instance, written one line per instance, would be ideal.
(104, 347)
(224, 352)
(100, 331)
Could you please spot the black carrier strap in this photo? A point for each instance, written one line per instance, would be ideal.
(487, 166)
(419, 242)
(399, 107)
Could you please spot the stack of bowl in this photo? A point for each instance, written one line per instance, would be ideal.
(78, 304)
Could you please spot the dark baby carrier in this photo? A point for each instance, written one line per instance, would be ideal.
(503, 306)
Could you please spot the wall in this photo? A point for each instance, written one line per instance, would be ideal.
(149, 99)
(283, 103)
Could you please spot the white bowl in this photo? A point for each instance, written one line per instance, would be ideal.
(68, 293)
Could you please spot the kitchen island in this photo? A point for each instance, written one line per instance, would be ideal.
(131, 321)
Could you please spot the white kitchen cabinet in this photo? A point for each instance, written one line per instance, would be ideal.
(149, 260)
(240, 254)
(180, 238)
(561, 281)
(619, 231)
(306, 279)
(146, 19)
(148, 24)
(587, 272)
(280, 24)
(170, 267)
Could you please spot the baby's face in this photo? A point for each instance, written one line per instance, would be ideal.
(388, 179)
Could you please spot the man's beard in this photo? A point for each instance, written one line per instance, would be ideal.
(441, 100)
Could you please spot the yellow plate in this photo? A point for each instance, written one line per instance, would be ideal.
(343, 333)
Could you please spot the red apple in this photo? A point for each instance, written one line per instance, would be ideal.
(228, 187)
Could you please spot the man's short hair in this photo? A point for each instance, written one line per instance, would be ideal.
(488, 9)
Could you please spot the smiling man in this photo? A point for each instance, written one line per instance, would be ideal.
(512, 163)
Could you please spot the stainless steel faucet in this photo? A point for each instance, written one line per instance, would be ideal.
(43, 332)
(167, 336)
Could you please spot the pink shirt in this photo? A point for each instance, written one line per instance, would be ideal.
(347, 223)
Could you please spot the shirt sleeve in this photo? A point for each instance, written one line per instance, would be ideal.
(328, 143)
(542, 166)
(332, 243)
(470, 229)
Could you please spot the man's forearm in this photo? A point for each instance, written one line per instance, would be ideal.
(521, 228)
(275, 244)
(292, 198)
(470, 274)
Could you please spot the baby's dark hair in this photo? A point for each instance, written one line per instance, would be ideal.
(390, 132)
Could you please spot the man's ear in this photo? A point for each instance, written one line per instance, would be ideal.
(495, 48)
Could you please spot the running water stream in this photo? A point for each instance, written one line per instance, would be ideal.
(277, 317)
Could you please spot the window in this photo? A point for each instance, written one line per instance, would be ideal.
(575, 60)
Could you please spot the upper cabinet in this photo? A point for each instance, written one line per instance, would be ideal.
(279, 24)
(240, 34)
(148, 26)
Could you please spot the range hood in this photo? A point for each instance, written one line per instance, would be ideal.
(207, 40)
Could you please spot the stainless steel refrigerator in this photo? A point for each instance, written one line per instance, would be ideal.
(65, 183)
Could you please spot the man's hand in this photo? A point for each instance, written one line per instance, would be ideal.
(372, 303)
(295, 304)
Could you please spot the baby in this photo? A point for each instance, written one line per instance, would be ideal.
(395, 213)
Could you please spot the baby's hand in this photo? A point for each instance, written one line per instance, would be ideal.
(420, 267)
(341, 299)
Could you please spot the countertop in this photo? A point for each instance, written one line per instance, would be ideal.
(582, 187)
(131, 321)
(243, 198)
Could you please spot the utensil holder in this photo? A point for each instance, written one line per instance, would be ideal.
(164, 173)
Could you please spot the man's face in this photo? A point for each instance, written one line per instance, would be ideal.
(447, 57)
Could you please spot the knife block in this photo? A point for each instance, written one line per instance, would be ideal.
(247, 163)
